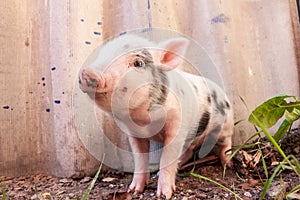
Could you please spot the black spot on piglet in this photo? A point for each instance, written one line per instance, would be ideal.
(203, 123)
(220, 106)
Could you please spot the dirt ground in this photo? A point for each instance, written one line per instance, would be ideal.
(246, 179)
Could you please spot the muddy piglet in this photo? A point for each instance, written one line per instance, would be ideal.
(137, 81)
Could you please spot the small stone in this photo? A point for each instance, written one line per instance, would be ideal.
(108, 179)
(276, 188)
(85, 180)
(59, 193)
(71, 195)
(189, 191)
(36, 196)
(248, 194)
(193, 197)
(111, 186)
(64, 180)
(184, 198)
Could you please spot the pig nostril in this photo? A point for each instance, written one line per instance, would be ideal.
(93, 83)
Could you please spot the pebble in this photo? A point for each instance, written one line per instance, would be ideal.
(71, 195)
(276, 188)
(248, 194)
(193, 197)
(189, 191)
(85, 180)
(64, 180)
(36, 196)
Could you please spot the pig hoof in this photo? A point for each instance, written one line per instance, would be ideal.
(166, 185)
(228, 164)
(138, 183)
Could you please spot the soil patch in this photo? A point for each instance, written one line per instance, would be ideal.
(246, 179)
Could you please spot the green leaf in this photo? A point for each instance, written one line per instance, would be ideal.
(273, 109)
(292, 116)
(284, 127)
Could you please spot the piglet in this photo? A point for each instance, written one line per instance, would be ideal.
(138, 83)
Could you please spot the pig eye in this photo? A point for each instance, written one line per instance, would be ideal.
(139, 63)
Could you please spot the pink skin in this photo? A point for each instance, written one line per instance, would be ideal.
(101, 86)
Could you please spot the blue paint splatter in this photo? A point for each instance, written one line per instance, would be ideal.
(221, 18)
(44, 84)
(99, 23)
(97, 33)
(123, 33)
(82, 20)
(47, 109)
(6, 107)
(88, 42)
(53, 68)
(57, 101)
(148, 4)
(43, 78)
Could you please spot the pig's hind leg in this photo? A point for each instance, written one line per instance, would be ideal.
(224, 143)
(189, 152)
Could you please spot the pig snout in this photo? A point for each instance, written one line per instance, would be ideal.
(92, 82)
(89, 81)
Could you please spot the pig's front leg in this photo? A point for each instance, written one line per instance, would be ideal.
(173, 145)
(140, 149)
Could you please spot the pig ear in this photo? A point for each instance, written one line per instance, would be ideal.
(173, 52)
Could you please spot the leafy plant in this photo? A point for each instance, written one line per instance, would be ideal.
(267, 115)
(271, 111)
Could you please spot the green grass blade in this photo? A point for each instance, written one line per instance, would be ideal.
(88, 191)
(269, 182)
(4, 196)
(295, 189)
(269, 136)
(216, 183)
(263, 162)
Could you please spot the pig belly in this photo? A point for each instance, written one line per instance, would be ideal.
(216, 122)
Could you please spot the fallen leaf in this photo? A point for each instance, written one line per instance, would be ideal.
(253, 182)
(245, 186)
(46, 195)
(108, 179)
